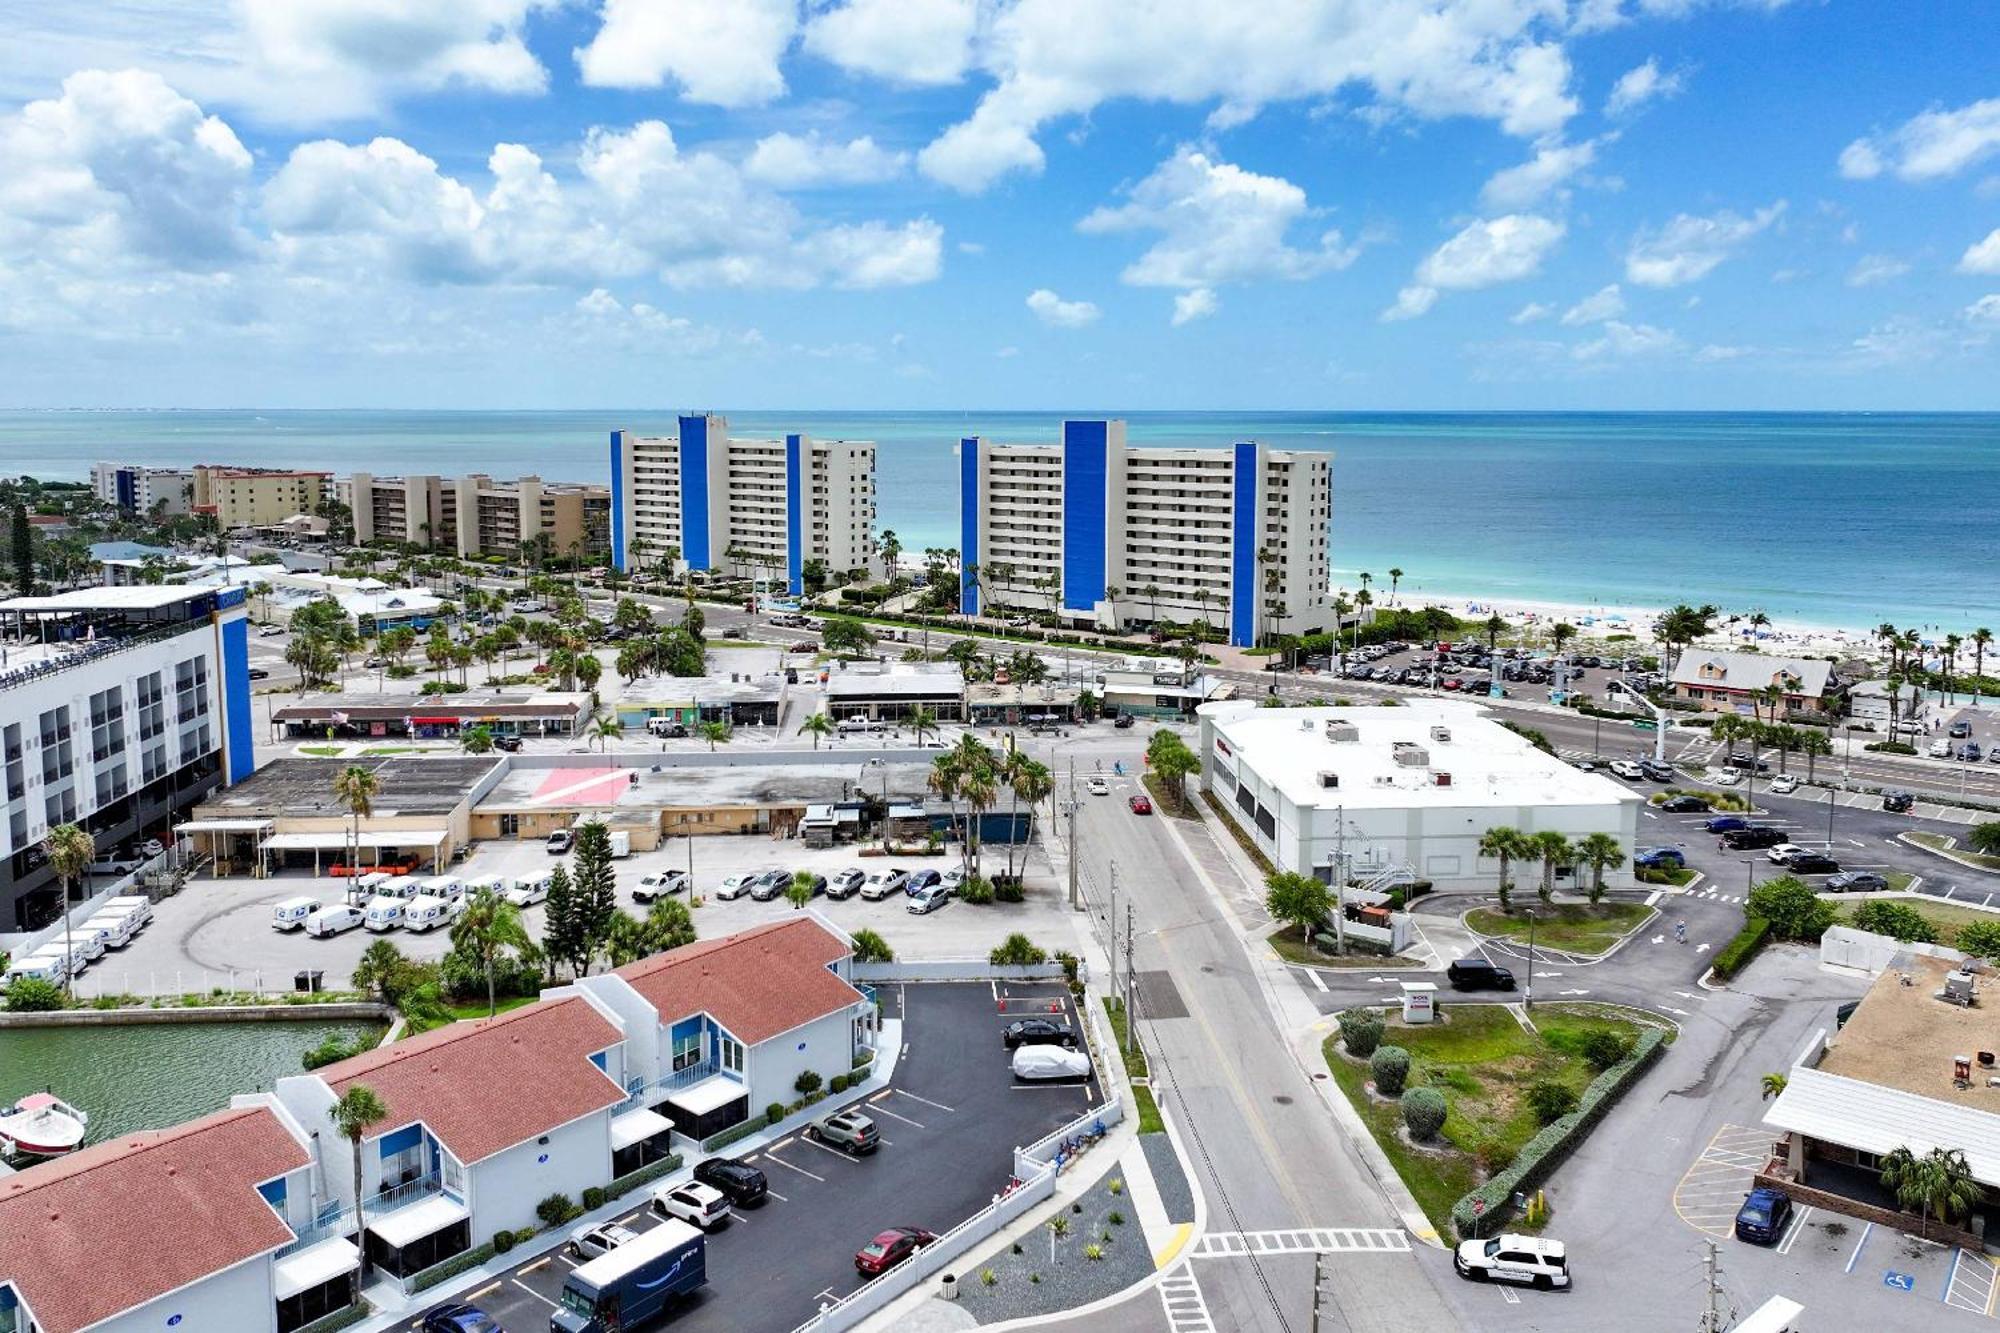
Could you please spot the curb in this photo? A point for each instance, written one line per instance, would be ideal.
(1950, 854)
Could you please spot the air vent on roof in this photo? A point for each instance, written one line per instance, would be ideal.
(1441, 779)
(1384, 780)
(1442, 735)
(1342, 732)
(1409, 754)
(1328, 778)
(1305, 724)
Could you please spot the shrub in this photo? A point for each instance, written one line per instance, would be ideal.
(1899, 921)
(774, 1112)
(1793, 909)
(1017, 950)
(987, 1277)
(1981, 939)
(837, 1084)
(1550, 1100)
(1890, 747)
(1603, 1049)
(503, 1241)
(870, 947)
(32, 995)
(593, 1198)
(1424, 1111)
(976, 890)
(1494, 1157)
(1391, 1067)
(556, 1209)
(807, 1084)
(1008, 890)
(1115, 1218)
(1360, 1031)
(1735, 955)
(1093, 1252)
(334, 1050)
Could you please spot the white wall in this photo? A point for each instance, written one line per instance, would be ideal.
(775, 1065)
(308, 1099)
(505, 1188)
(240, 1300)
(630, 1011)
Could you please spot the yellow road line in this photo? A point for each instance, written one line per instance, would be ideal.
(1172, 1249)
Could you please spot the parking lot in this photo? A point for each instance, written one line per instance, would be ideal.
(949, 1124)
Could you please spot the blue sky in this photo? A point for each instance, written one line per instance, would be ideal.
(1369, 204)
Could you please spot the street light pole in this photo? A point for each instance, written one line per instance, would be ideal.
(1529, 1004)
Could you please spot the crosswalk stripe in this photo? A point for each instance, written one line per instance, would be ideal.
(1236, 1244)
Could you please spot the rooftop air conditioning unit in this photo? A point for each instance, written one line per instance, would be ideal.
(1442, 735)
(1328, 778)
(1340, 732)
(1441, 779)
(1958, 989)
(1411, 755)
(1384, 780)
(1305, 724)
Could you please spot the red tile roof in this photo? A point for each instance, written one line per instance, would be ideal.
(123, 1222)
(757, 983)
(485, 1086)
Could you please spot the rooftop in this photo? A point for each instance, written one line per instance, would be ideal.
(704, 689)
(123, 1222)
(1905, 1037)
(1877, 1119)
(699, 786)
(138, 597)
(866, 680)
(1394, 757)
(303, 788)
(757, 983)
(445, 1077)
(472, 703)
(1752, 671)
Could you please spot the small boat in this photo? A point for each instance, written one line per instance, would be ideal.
(41, 1125)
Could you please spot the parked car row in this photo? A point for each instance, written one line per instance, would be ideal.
(927, 889)
(113, 926)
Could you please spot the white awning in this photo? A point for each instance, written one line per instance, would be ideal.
(712, 1093)
(406, 1225)
(337, 840)
(222, 826)
(314, 1266)
(636, 1127)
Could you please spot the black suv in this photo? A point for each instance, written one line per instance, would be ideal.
(1897, 801)
(741, 1183)
(1757, 835)
(1812, 863)
(1037, 1032)
(1478, 974)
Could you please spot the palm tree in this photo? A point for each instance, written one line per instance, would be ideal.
(1812, 744)
(1601, 852)
(816, 726)
(1030, 781)
(946, 775)
(1772, 1085)
(70, 850)
(355, 788)
(922, 720)
(604, 731)
(1982, 638)
(1395, 577)
(980, 787)
(1937, 1185)
(1505, 844)
(1561, 633)
(359, 1110)
(1951, 646)
(1554, 850)
(476, 740)
(488, 925)
(715, 733)
(800, 891)
(1495, 626)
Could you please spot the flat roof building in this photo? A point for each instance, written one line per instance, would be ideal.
(1107, 534)
(252, 497)
(502, 712)
(476, 515)
(700, 500)
(140, 490)
(893, 691)
(1408, 789)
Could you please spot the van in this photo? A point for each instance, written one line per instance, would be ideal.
(79, 953)
(527, 890)
(117, 928)
(448, 887)
(139, 908)
(50, 970)
(402, 887)
(559, 842)
(292, 913)
(425, 913)
(371, 883)
(494, 884)
(383, 914)
(332, 919)
(666, 728)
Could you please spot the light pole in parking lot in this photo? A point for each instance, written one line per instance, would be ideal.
(1528, 1002)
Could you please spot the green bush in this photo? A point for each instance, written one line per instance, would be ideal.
(1981, 939)
(32, 995)
(1360, 1031)
(556, 1209)
(1890, 747)
(1602, 1048)
(1793, 909)
(1008, 890)
(1391, 1067)
(807, 1083)
(652, 1171)
(503, 1241)
(451, 1268)
(1899, 921)
(1017, 950)
(593, 1198)
(870, 947)
(774, 1112)
(1734, 956)
(1550, 1100)
(1424, 1111)
(976, 890)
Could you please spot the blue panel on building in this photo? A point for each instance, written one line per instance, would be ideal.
(618, 500)
(795, 559)
(694, 492)
(240, 747)
(1243, 550)
(402, 1140)
(1085, 469)
(969, 501)
(274, 1193)
(128, 489)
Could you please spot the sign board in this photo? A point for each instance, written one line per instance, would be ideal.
(1645, 724)
(1900, 1281)
(1496, 691)
(1419, 1001)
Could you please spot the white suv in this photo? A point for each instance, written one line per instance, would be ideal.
(1626, 769)
(1532, 1261)
(699, 1205)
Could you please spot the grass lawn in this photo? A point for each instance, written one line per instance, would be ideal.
(392, 749)
(1135, 1067)
(1899, 880)
(324, 751)
(1945, 918)
(1483, 1062)
(1576, 927)
(1291, 946)
(1944, 842)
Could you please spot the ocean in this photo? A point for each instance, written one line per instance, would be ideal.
(1835, 519)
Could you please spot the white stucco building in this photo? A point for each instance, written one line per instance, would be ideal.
(1411, 788)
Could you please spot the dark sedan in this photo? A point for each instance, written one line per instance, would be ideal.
(1684, 805)
(1037, 1032)
(460, 1319)
(1725, 823)
(1762, 1218)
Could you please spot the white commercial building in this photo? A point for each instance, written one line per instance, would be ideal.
(1106, 534)
(700, 500)
(119, 709)
(144, 491)
(1408, 789)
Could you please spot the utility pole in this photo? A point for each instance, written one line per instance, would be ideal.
(1711, 1315)
(1318, 1274)
(1131, 989)
(1075, 893)
(1113, 939)
(1340, 880)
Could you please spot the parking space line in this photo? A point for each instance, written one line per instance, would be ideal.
(883, 1110)
(1972, 1284)
(536, 1294)
(843, 1156)
(1507, 1294)
(1865, 1233)
(789, 1167)
(1798, 1226)
(925, 1100)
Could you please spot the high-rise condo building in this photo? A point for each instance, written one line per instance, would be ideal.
(141, 490)
(256, 497)
(476, 515)
(1108, 534)
(700, 500)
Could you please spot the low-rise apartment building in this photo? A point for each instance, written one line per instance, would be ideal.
(701, 500)
(1734, 682)
(476, 515)
(119, 709)
(1108, 534)
(140, 490)
(255, 497)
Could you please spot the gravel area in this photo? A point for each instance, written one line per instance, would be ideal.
(1072, 1280)
(1175, 1194)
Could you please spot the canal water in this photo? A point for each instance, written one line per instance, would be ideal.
(152, 1075)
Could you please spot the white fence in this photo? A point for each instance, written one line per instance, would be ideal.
(957, 969)
(1844, 946)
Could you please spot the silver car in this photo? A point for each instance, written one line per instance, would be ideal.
(589, 1242)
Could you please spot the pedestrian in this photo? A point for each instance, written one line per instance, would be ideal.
(1680, 932)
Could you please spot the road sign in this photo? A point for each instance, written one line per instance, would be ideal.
(1645, 724)
(1900, 1281)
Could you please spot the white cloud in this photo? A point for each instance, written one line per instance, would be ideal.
(1531, 313)
(639, 326)
(1689, 247)
(1982, 256)
(1198, 303)
(1057, 58)
(1007, 353)
(1870, 270)
(352, 56)
(877, 254)
(903, 41)
(720, 51)
(1642, 84)
(1622, 341)
(1411, 302)
(1058, 313)
(1605, 303)
(1485, 253)
(1527, 184)
(1984, 313)
(1220, 224)
(1930, 146)
(1903, 340)
(789, 161)
(971, 247)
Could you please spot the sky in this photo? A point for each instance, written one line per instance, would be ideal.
(963, 204)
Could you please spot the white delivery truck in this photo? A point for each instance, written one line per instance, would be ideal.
(425, 913)
(332, 919)
(527, 890)
(621, 842)
(139, 908)
(383, 914)
(291, 914)
(35, 968)
(117, 928)
(448, 887)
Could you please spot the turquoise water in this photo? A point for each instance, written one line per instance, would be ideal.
(1835, 519)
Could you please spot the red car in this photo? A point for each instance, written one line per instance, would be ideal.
(1140, 805)
(890, 1248)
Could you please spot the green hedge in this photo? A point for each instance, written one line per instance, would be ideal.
(652, 1171)
(450, 1268)
(717, 1142)
(1541, 1155)
(1735, 955)
(339, 1319)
